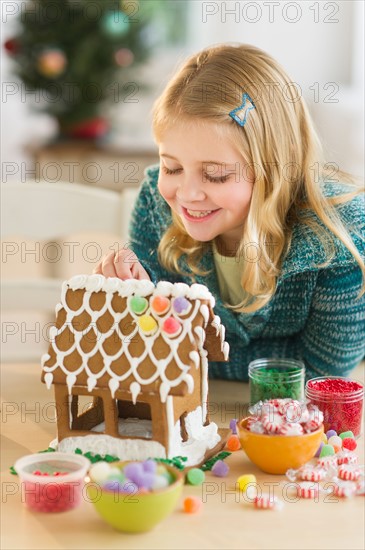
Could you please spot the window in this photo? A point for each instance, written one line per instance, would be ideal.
(134, 420)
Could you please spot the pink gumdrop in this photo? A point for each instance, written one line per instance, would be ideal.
(171, 326)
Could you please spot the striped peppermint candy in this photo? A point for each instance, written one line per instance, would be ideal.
(265, 502)
(272, 422)
(344, 457)
(315, 415)
(349, 472)
(344, 489)
(307, 490)
(291, 429)
(256, 427)
(327, 462)
(312, 425)
(313, 474)
(284, 403)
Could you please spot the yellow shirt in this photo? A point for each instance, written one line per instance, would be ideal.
(229, 272)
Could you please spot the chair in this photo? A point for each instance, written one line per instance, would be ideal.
(48, 212)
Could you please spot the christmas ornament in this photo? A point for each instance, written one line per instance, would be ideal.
(115, 23)
(124, 57)
(12, 46)
(93, 128)
(51, 63)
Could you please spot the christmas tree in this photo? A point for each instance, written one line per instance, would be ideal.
(79, 54)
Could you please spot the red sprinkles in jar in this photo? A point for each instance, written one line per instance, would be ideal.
(340, 400)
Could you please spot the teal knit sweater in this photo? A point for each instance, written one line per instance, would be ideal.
(314, 315)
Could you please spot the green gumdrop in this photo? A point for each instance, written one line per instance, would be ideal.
(138, 304)
(344, 435)
(195, 476)
(327, 450)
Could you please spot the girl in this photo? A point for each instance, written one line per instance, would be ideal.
(243, 202)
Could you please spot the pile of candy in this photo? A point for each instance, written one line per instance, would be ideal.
(51, 495)
(333, 444)
(284, 417)
(337, 465)
(132, 478)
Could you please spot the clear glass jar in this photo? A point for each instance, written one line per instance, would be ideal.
(341, 401)
(276, 378)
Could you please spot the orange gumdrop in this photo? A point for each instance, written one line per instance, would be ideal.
(233, 443)
(160, 304)
(192, 505)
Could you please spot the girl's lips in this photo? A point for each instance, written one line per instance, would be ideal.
(190, 218)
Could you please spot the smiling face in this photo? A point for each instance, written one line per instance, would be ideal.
(205, 180)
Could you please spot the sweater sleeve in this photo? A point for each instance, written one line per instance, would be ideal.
(333, 339)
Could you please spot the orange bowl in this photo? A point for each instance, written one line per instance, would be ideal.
(275, 454)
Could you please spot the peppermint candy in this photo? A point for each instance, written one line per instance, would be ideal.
(345, 489)
(266, 502)
(313, 474)
(272, 423)
(284, 417)
(349, 472)
(307, 490)
(344, 457)
(291, 429)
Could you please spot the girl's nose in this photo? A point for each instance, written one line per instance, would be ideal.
(190, 189)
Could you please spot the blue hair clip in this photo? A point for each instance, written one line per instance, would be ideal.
(246, 106)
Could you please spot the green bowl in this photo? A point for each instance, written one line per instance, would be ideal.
(140, 512)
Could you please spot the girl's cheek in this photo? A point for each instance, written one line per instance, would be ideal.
(167, 191)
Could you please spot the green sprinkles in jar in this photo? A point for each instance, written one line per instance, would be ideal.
(276, 378)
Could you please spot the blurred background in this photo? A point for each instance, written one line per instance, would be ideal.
(79, 78)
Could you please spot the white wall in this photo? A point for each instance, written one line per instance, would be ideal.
(321, 46)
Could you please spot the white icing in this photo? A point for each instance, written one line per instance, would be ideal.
(216, 323)
(135, 389)
(96, 283)
(125, 449)
(69, 397)
(164, 391)
(226, 350)
(70, 381)
(204, 383)
(195, 357)
(164, 288)
(48, 378)
(113, 385)
(91, 383)
(200, 438)
(204, 310)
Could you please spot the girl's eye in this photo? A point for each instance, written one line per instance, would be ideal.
(206, 177)
(222, 179)
(170, 172)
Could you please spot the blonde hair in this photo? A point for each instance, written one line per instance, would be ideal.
(282, 149)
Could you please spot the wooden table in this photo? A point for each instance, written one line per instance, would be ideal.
(226, 520)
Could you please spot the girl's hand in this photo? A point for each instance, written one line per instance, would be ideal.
(123, 264)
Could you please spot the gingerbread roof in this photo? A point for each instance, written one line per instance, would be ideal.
(133, 335)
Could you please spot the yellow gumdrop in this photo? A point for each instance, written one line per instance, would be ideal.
(147, 324)
(324, 439)
(243, 481)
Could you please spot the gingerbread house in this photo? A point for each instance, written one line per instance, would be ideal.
(139, 352)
